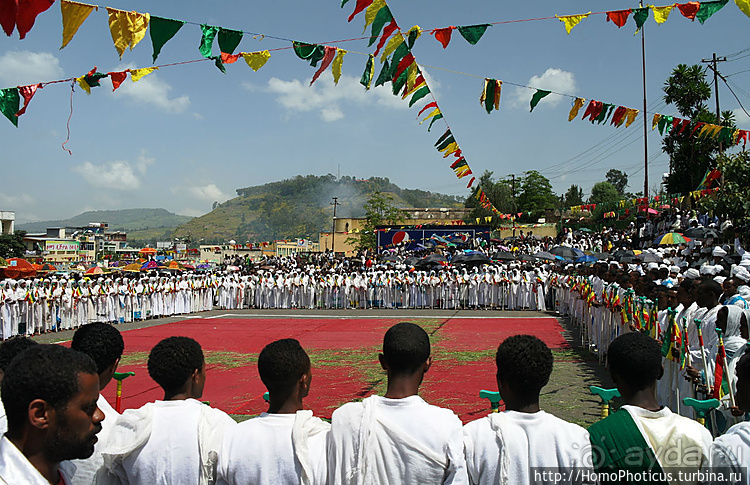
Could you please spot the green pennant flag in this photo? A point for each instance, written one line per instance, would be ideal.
(412, 38)
(640, 15)
(311, 52)
(725, 136)
(434, 119)
(709, 8)
(161, 31)
(443, 137)
(366, 79)
(219, 63)
(489, 96)
(450, 139)
(93, 80)
(607, 108)
(207, 40)
(10, 103)
(399, 83)
(383, 17)
(472, 33)
(229, 40)
(419, 94)
(343, 2)
(385, 74)
(538, 95)
(399, 54)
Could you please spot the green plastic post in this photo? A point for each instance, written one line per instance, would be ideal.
(702, 407)
(266, 396)
(494, 398)
(606, 396)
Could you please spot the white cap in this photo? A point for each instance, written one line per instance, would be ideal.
(719, 279)
(692, 274)
(742, 273)
(674, 269)
(719, 252)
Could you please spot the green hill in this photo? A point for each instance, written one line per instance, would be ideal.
(129, 220)
(298, 207)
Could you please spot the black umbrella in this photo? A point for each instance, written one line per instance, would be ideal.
(504, 255)
(566, 252)
(602, 256)
(701, 233)
(546, 256)
(649, 257)
(430, 261)
(527, 257)
(471, 259)
(412, 261)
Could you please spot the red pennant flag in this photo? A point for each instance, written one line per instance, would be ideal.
(457, 162)
(427, 106)
(443, 35)
(117, 78)
(407, 61)
(689, 10)
(387, 31)
(697, 127)
(618, 115)
(618, 17)
(27, 12)
(8, 13)
(27, 92)
(471, 182)
(676, 121)
(330, 53)
(229, 58)
(685, 124)
(361, 5)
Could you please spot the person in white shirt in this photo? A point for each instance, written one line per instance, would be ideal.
(49, 393)
(173, 441)
(8, 350)
(104, 344)
(505, 447)
(285, 445)
(398, 438)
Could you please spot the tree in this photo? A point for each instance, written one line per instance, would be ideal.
(379, 210)
(732, 201)
(690, 156)
(498, 192)
(12, 246)
(604, 192)
(574, 196)
(618, 179)
(536, 194)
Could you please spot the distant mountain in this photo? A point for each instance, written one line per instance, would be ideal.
(128, 220)
(299, 207)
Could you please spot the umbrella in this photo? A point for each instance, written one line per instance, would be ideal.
(649, 257)
(566, 252)
(233, 268)
(586, 259)
(700, 233)
(188, 266)
(527, 257)
(132, 267)
(175, 265)
(602, 256)
(23, 268)
(147, 251)
(474, 258)
(671, 238)
(150, 265)
(547, 256)
(624, 256)
(96, 270)
(431, 260)
(411, 261)
(584, 229)
(203, 266)
(504, 255)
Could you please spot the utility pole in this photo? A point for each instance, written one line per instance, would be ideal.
(513, 198)
(645, 106)
(712, 65)
(333, 232)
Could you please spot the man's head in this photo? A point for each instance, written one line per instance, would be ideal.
(178, 366)
(524, 364)
(10, 348)
(406, 350)
(742, 371)
(50, 393)
(284, 367)
(707, 294)
(634, 362)
(103, 343)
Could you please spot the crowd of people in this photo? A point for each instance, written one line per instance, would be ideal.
(58, 429)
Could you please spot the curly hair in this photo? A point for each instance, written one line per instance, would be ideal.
(406, 347)
(12, 347)
(100, 341)
(525, 363)
(173, 360)
(47, 372)
(281, 364)
(636, 359)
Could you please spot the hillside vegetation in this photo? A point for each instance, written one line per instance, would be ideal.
(129, 220)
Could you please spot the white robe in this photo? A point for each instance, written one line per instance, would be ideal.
(381, 440)
(14, 466)
(501, 448)
(732, 449)
(283, 449)
(165, 442)
(87, 469)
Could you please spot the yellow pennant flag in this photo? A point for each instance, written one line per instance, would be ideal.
(744, 5)
(631, 115)
(73, 15)
(127, 28)
(571, 21)
(477, 220)
(655, 122)
(256, 60)
(137, 74)
(661, 13)
(450, 149)
(488, 219)
(83, 84)
(391, 46)
(577, 104)
(434, 112)
(336, 66)
(483, 96)
(372, 12)
(411, 76)
(413, 89)
(416, 29)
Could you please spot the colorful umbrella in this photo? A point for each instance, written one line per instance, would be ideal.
(147, 251)
(96, 270)
(671, 238)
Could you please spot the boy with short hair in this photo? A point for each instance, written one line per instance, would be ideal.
(397, 438)
(8, 350)
(171, 441)
(504, 447)
(286, 444)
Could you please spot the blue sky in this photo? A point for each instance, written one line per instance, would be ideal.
(188, 135)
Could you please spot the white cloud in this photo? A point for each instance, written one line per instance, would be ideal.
(192, 212)
(117, 175)
(12, 202)
(19, 68)
(144, 162)
(328, 99)
(209, 192)
(152, 90)
(742, 119)
(553, 79)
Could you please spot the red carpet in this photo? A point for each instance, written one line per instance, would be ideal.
(238, 390)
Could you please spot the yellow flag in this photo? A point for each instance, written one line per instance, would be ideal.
(661, 13)
(256, 60)
(127, 28)
(744, 5)
(336, 66)
(414, 88)
(137, 74)
(434, 112)
(571, 21)
(655, 122)
(477, 220)
(416, 29)
(575, 108)
(411, 76)
(450, 149)
(372, 12)
(631, 115)
(483, 96)
(83, 84)
(73, 15)
(395, 41)
(488, 219)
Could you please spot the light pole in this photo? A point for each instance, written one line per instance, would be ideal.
(333, 231)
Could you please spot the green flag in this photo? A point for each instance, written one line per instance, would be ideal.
(311, 52)
(444, 143)
(343, 2)
(10, 103)
(419, 94)
(366, 79)
(207, 40)
(443, 137)
(472, 33)
(383, 17)
(385, 74)
(640, 15)
(399, 54)
(434, 119)
(709, 8)
(229, 40)
(489, 96)
(399, 83)
(538, 95)
(161, 31)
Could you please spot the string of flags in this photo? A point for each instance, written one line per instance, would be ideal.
(642, 203)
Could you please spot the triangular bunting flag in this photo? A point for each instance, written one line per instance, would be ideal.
(689, 10)
(10, 102)
(640, 15)
(117, 78)
(744, 5)
(538, 95)
(27, 92)
(207, 40)
(256, 60)
(661, 13)
(127, 28)
(443, 35)
(575, 108)
(387, 31)
(618, 17)
(337, 64)
(472, 33)
(161, 31)
(361, 5)
(73, 15)
(27, 13)
(137, 74)
(707, 9)
(229, 40)
(571, 21)
(383, 17)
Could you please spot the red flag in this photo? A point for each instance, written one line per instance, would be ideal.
(719, 372)
(117, 78)
(27, 92)
(361, 5)
(387, 31)
(27, 12)
(8, 13)
(471, 182)
(618, 17)
(229, 58)
(330, 53)
(407, 61)
(427, 106)
(689, 10)
(443, 35)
